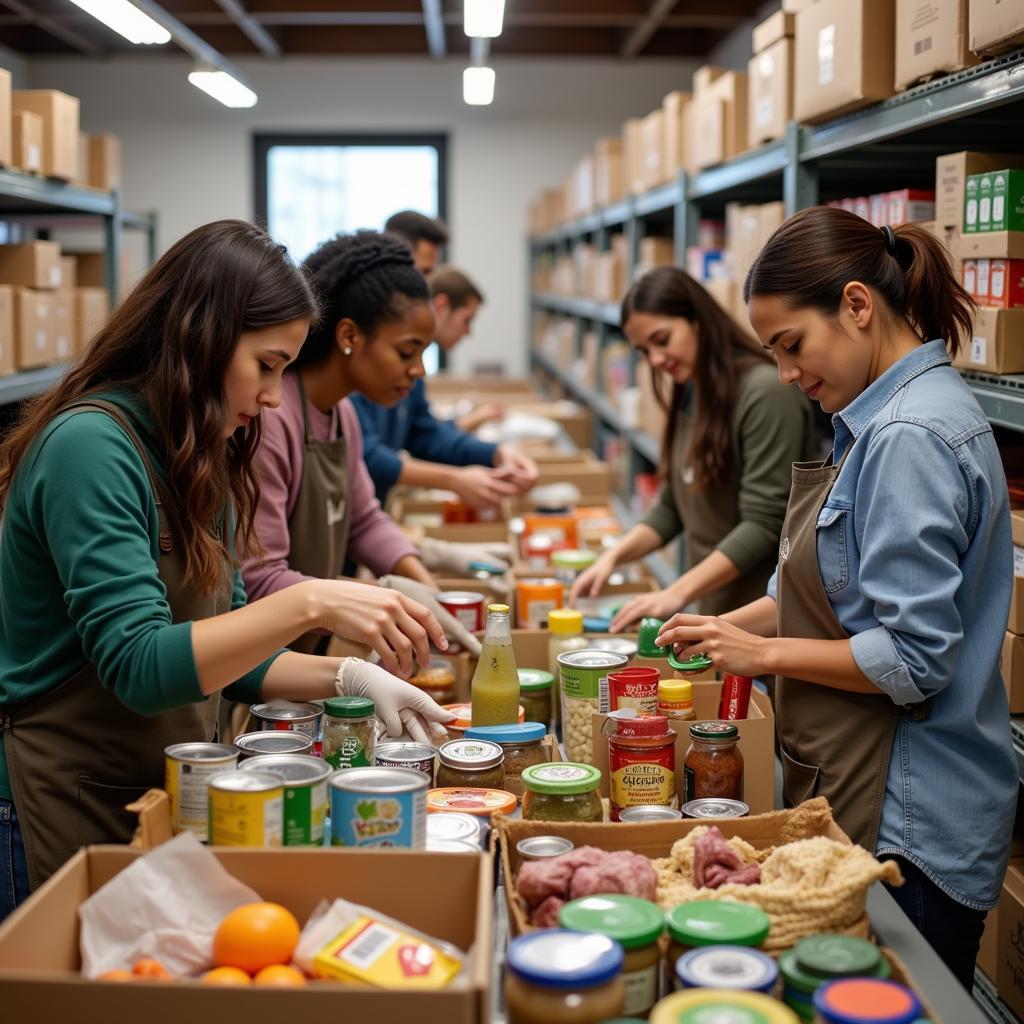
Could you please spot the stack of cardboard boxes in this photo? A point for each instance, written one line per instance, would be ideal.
(770, 79)
(718, 124)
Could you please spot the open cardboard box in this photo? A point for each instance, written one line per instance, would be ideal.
(445, 895)
(469, 533)
(453, 384)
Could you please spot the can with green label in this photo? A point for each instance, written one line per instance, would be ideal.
(584, 688)
(305, 794)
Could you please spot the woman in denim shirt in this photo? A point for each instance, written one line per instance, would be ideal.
(885, 618)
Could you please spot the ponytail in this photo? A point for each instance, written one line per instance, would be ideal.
(817, 252)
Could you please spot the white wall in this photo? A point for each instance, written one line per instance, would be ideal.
(190, 159)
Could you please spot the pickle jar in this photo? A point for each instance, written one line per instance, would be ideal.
(522, 745)
(712, 923)
(560, 791)
(675, 700)
(350, 732)
(560, 977)
(535, 689)
(637, 926)
(473, 764)
(714, 765)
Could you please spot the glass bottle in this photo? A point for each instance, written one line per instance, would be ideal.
(495, 687)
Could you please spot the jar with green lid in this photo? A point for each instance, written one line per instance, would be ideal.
(568, 563)
(535, 689)
(675, 700)
(522, 744)
(712, 923)
(713, 766)
(470, 764)
(637, 926)
(821, 958)
(713, 1006)
(350, 732)
(560, 791)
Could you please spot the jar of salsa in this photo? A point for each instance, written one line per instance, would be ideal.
(641, 763)
(714, 764)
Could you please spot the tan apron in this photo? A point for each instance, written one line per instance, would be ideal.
(833, 743)
(319, 525)
(76, 755)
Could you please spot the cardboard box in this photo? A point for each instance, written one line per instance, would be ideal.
(997, 343)
(1000, 196)
(592, 477)
(844, 57)
(770, 86)
(6, 113)
(993, 245)
(609, 180)
(39, 960)
(31, 265)
(62, 338)
(8, 362)
(656, 251)
(1005, 284)
(633, 155)
(652, 415)
(719, 126)
(951, 173)
(91, 310)
(1016, 618)
(781, 25)
(723, 291)
(68, 273)
(33, 328)
(705, 75)
(909, 206)
(674, 106)
(105, 161)
(27, 142)
(1009, 948)
(931, 39)
(653, 134)
(988, 952)
(92, 270)
(1012, 665)
(610, 277)
(60, 128)
(996, 26)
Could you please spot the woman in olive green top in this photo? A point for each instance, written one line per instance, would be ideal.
(732, 434)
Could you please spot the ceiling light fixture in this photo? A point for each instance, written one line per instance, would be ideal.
(482, 18)
(127, 20)
(223, 87)
(478, 86)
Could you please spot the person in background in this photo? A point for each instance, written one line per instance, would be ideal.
(732, 433)
(884, 621)
(424, 235)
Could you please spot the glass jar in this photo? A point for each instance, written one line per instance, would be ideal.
(745, 1007)
(566, 565)
(820, 958)
(521, 744)
(863, 1000)
(464, 719)
(560, 977)
(641, 763)
(712, 923)
(535, 687)
(560, 791)
(473, 764)
(675, 700)
(437, 681)
(350, 732)
(637, 926)
(714, 764)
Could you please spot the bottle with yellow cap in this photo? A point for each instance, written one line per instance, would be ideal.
(675, 700)
(566, 628)
(495, 687)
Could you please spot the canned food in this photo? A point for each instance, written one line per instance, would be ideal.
(452, 846)
(537, 550)
(480, 802)
(402, 754)
(466, 607)
(454, 826)
(713, 807)
(642, 813)
(584, 688)
(614, 645)
(257, 744)
(305, 794)
(287, 715)
(542, 847)
(635, 687)
(535, 599)
(188, 768)
(246, 809)
(379, 807)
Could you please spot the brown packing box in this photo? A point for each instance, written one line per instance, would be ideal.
(844, 57)
(457, 384)
(27, 142)
(104, 170)
(8, 362)
(705, 75)
(91, 269)
(609, 179)
(92, 307)
(931, 39)
(449, 896)
(652, 415)
(996, 26)
(674, 106)
(1012, 669)
(723, 291)
(656, 251)
(1009, 948)
(33, 328)
(781, 25)
(1016, 621)
(31, 264)
(720, 119)
(993, 245)
(609, 277)
(654, 171)
(997, 343)
(68, 274)
(633, 155)
(6, 114)
(770, 84)
(60, 128)
(988, 953)
(469, 533)
(62, 339)
(951, 173)
(576, 422)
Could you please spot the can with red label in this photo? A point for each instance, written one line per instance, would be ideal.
(641, 764)
(735, 700)
(635, 687)
(465, 606)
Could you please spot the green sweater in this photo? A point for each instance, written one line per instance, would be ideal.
(78, 573)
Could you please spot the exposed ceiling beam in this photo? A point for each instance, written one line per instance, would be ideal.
(54, 27)
(434, 24)
(256, 33)
(641, 35)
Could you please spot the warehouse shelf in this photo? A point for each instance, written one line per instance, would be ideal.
(764, 162)
(586, 309)
(987, 998)
(30, 193)
(667, 197)
(617, 214)
(1001, 398)
(29, 383)
(657, 565)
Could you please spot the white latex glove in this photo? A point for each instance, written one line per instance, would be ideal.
(400, 706)
(442, 556)
(420, 592)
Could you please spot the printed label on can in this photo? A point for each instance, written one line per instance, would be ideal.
(640, 695)
(187, 785)
(641, 990)
(246, 819)
(365, 819)
(425, 766)
(305, 810)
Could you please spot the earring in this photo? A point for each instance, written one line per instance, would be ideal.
(347, 350)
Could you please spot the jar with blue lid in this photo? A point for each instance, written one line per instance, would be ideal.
(866, 1001)
(821, 958)
(738, 968)
(556, 976)
(523, 744)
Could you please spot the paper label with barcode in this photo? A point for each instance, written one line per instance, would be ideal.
(979, 350)
(604, 704)
(1018, 561)
(826, 55)
(368, 947)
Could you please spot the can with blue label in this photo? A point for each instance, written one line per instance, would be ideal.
(379, 807)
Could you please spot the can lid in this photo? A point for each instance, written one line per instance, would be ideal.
(349, 707)
(525, 732)
(561, 778)
(459, 597)
(614, 644)
(867, 1001)
(715, 807)
(565, 621)
(631, 921)
(649, 812)
(542, 847)
(832, 956)
(535, 678)
(714, 731)
(643, 727)
(237, 781)
(715, 1006)
(588, 657)
(727, 967)
(676, 691)
(573, 558)
(498, 609)
(453, 826)
(470, 754)
(480, 802)
(294, 769)
(556, 958)
(717, 923)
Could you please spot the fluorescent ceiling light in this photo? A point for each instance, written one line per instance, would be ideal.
(222, 87)
(482, 18)
(126, 19)
(478, 86)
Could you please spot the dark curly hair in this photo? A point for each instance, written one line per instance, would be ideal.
(368, 278)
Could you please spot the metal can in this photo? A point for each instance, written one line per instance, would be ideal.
(641, 763)
(645, 813)
(543, 847)
(188, 768)
(584, 689)
(246, 809)
(454, 827)
(635, 687)
(379, 807)
(714, 807)
(287, 715)
(467, 608)
(257, 744)
(305, 794)
(615, 645)
(403, 754)
(452, 846)
(735, 700)
(535, 599)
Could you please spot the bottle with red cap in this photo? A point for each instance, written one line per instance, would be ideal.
(735, 700)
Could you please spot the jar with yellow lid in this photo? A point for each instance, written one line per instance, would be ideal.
(721, 1005)
(675, 700)
(566, 628)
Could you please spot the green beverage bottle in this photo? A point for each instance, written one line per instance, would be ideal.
(495, 688)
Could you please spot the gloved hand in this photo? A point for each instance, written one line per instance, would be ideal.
(441, 556)
(420, 592)
(400, 706)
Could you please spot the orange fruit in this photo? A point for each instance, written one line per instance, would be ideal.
(255, 936)
(116, 976)
(151, 969)
(281, 975)
(226, 976)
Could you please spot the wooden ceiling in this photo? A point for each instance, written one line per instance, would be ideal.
(412, 28)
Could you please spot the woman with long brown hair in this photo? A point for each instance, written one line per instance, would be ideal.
(732, 431)
(125, 493)
(885, 619)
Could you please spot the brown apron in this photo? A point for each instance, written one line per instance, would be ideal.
(76, 755)
(319, 525)
(833, 743)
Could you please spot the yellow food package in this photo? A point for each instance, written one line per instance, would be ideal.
(370, 952)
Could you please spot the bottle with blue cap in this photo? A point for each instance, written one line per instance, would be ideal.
(556, 976)
(523, 744)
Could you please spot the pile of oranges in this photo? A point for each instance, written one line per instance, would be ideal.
(253, 946)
